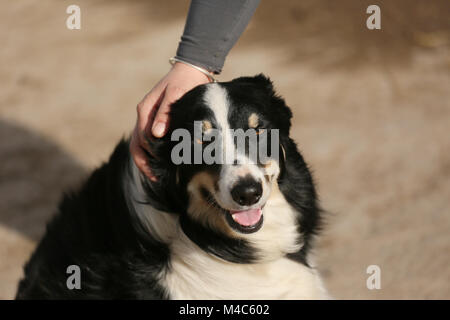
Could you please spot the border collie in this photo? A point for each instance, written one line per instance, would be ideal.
(201, 231)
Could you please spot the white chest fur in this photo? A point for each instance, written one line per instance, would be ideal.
(195, 274)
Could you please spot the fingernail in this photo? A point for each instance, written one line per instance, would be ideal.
(158, 129)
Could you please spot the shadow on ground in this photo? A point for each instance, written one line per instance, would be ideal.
(33, 174)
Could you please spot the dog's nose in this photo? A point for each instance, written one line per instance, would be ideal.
(247, 192)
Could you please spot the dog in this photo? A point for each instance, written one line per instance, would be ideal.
(240, 230)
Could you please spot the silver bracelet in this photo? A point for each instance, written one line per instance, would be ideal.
(173, 60)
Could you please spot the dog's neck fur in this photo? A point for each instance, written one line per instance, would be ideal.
(161, 225)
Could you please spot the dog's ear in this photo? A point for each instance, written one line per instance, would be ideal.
(159, 153)
(280, 112)
(163, 193)
(259, 80)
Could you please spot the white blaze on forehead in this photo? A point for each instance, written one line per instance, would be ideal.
(216, 98)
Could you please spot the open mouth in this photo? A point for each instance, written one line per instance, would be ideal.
(246, 221)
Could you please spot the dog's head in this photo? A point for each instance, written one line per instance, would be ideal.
(232, 172)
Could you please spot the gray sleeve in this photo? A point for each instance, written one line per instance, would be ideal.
(212, 28)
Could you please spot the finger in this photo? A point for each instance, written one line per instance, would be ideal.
(140, 159)
(146, 111)
(140, 138)
(161, 121)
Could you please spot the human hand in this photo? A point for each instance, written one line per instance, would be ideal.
(153, 110)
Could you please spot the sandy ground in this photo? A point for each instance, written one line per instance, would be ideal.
(372, 117)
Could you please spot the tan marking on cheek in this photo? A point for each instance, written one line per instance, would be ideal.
(197, 203)
(253, 120)
(201, 179)
(199, 207)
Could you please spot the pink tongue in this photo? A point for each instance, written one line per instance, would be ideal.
(248, 217)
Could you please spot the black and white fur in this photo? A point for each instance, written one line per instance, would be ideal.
(173, 239)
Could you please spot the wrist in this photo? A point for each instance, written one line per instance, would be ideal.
(184, 66)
